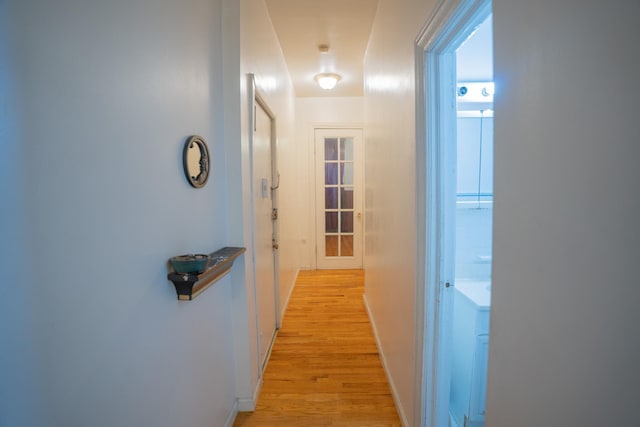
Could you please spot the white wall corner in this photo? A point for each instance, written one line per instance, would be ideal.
(244, 337)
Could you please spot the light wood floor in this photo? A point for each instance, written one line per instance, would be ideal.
(324, 368)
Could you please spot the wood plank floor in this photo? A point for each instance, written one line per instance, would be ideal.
(324, 368)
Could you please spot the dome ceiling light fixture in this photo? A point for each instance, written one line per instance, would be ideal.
(327, 81)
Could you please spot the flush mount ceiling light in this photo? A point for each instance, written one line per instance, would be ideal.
(327, 81)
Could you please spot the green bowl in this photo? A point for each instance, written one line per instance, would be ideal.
(190, 263)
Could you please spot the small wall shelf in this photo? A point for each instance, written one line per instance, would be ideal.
(190, 285)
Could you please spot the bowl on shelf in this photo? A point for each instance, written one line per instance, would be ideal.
(190, 263)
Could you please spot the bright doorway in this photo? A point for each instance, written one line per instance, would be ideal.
(339, 176)
(473, 228)
(454, 198)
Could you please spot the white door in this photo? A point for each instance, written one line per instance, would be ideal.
(264, 229)
(339, 184)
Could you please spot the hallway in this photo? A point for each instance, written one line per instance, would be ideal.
(324, 369)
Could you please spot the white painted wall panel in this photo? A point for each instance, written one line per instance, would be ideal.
(390, 220)
(564, 344)
(19, 388)
(259, 53)
(107, 94)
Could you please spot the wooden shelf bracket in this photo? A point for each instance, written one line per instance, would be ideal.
(190, 285)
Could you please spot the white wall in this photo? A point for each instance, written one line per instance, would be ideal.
(251, 46)
(564, 327)
(390, 237)
(468, 155)
(19, 388)
(102, 97)
(262, 56)
(473, 220)
(473, 241)
(311, 113)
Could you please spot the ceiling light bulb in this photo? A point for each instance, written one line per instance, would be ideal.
(327, 81)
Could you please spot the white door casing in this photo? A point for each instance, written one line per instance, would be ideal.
(339, 201)
(452, 23)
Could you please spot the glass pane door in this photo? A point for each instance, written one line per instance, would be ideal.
(339, 195)
(338, 209)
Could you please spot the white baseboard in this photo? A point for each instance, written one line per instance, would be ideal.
(232, 415)
(394, 391)
(248, 404)
(286, 302)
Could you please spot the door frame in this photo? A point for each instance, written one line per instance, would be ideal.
(274, 187)
(256, 99)
(449, 26)
(313, 184)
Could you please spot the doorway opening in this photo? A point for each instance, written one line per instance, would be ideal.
(455, 200)
(473, 228)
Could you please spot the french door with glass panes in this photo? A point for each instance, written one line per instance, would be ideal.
(339, 176)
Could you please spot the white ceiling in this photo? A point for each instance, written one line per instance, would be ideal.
(344, 25)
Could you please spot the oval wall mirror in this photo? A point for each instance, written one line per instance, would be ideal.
(196, 161)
